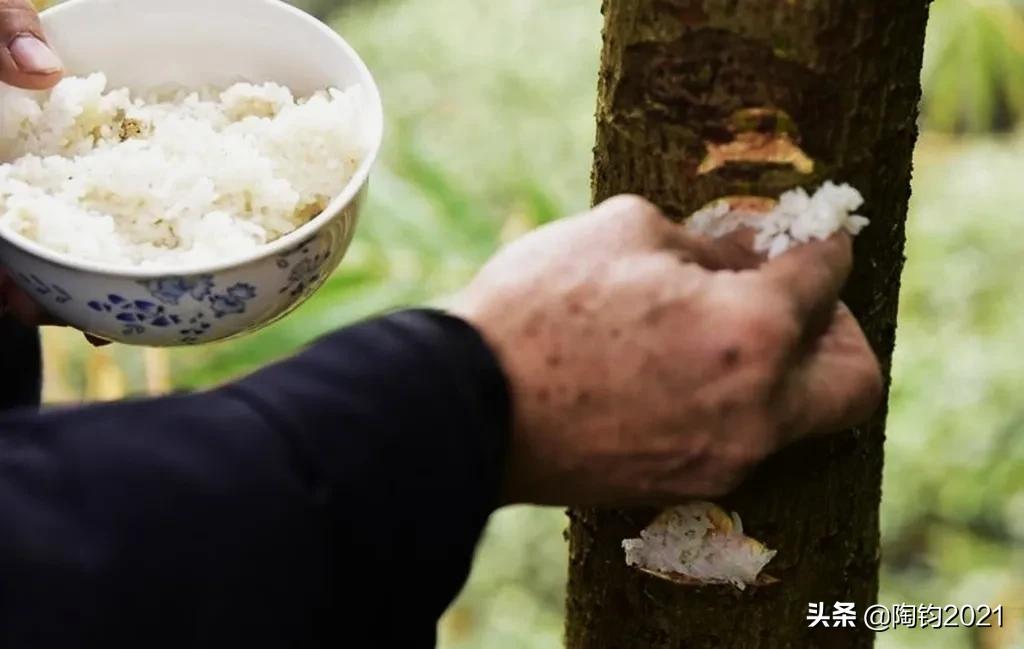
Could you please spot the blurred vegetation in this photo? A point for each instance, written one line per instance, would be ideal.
(490, 128)
(974, 66)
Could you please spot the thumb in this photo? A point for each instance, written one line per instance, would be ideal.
(26, 60)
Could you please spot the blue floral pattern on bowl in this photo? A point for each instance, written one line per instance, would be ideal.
(167, 292)
(232, 302)
(170, 290)
(175, 310)
(197, 327)
(305, 269)
(135, 315)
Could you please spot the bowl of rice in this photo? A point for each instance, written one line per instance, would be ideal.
(198, 173)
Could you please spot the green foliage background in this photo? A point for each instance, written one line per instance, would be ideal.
(490, 127)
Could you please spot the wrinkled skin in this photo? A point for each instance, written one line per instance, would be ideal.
(648, 365)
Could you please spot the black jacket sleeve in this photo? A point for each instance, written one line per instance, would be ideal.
(332, 500)
(20, 371)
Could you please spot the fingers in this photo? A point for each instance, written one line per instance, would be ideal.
(14, 302)
(655, 230)
(812, 276)
(838, 385)
(26, 60)
(643, 225)
(730, 252)
(25, 309)
(97, 342)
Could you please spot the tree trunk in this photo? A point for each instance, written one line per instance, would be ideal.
(707, 98)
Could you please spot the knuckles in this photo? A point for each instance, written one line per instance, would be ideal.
(756, 336)
(768, 333)
(737, 461)
(634, 210)
(630, 204)
(754, 314)
(719, 468)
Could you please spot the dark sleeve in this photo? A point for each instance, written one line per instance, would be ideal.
(20, 367)
(334, 497)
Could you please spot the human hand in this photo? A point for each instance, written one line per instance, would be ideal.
(26, 61)
(18, 304)
(648, 365)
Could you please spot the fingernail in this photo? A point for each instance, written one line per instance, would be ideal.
(33, 56)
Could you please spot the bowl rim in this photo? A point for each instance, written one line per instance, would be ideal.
(334, 209)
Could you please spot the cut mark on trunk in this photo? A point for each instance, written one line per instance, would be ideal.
(698, 544)
(759, 136)
(746, 204)
(756, 148)
(762, 120)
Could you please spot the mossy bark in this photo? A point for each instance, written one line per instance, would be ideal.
(839, 79)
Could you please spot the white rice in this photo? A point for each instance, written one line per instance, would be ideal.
(797, 218)
(174, 178)
(700, 542)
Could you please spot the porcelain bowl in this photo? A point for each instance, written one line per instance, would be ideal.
(142, 44)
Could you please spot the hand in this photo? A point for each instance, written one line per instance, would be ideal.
(648, 366)
(26, 61)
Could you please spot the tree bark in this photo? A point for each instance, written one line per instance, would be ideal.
(707, 98)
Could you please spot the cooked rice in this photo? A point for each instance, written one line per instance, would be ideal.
(701, 543)
(797, 218)
(173, 178)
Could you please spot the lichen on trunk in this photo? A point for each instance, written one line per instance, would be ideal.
(701, 99)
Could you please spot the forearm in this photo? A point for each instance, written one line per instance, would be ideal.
(379, 448)
(431, 408)
(405, 408)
